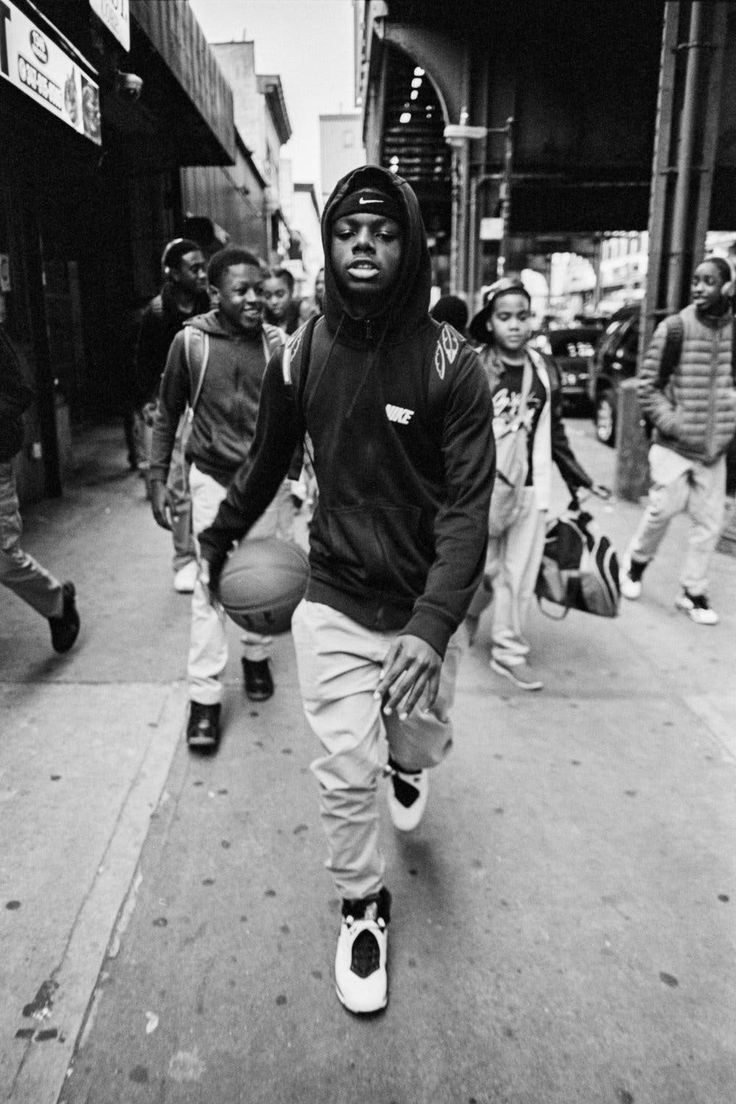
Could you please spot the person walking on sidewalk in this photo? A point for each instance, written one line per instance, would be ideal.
(687, 392)
(282, 309)
(398, 414)
(19, 571)
(215, 366)
(183, 295)
(525, 386)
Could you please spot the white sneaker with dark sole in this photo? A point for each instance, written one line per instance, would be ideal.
(361, 978)
(520, 674)
(697, 607)
(406, 797)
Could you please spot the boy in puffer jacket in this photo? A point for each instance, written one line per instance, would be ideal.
(692, 406)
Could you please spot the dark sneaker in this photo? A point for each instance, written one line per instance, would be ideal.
(361, 979)
(697, 607)
(65, 628)
(257, 677)
(407, 796)
(203, 727)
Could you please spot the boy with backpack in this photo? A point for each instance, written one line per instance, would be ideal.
(182, 296)
(398, 417)
(214, 369)
(687, 392)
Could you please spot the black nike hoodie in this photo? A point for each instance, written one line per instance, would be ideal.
(399, 417)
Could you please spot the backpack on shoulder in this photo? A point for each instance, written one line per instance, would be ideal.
(579, 568)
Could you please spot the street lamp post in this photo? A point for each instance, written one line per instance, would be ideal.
(463, 275)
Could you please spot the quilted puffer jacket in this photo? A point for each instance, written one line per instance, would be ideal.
(693, 411)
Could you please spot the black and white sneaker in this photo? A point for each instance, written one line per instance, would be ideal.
(697, 607)
(65, 627)
(361, 979)
(407, 796)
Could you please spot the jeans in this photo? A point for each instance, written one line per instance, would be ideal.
(19, 571)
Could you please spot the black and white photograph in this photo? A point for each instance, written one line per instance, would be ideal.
(368, 551)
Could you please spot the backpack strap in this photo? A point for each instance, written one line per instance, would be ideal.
(299, 345)
(672, 348)
(196, 354)
(448, 345)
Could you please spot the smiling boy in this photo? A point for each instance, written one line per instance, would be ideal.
(239, 345)
(399, 417)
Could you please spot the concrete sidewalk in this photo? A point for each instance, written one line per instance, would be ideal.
(564, 916)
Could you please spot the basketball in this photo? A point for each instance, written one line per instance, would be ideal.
(262, 583)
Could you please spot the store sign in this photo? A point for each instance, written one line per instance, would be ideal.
(43, 70)
(115, 14)
(491, 229)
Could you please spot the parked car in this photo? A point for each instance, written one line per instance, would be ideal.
(573, 350)
(613, 362)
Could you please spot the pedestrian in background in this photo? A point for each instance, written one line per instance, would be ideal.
(686, 390)
(400, 426)
(282, 310)
(19, 571)
(183, 295)
(525, 386)
(452, 309)
(221, 384)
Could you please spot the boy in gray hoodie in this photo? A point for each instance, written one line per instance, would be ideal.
(217, 372)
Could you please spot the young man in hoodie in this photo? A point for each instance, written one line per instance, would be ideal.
(223, 386)
(398, 417)
(183, 294)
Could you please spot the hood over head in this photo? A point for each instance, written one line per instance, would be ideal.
(408, 303)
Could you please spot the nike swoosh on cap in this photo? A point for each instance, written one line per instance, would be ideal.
(363, 201)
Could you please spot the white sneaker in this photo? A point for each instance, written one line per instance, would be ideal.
(630, 588)
(407, 797)
(361, 980)
(186, 577)
(520, 674)
(697, 608)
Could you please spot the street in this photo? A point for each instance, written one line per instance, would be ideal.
(563, 922)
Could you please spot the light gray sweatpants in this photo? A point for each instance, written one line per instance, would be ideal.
(339, 665)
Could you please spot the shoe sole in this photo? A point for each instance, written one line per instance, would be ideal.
(507, 673)
(360, 1011)
(687, 610)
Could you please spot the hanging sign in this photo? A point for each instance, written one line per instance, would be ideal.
(4, 272)
(43, 70)
(491, 229)
(115, 14)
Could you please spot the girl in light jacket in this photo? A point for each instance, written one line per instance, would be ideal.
(503, 328)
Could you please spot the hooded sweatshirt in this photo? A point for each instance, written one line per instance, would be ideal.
(160, 323)
(399, 416)
(225, 417)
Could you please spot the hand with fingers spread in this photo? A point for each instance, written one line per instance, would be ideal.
(411, 670)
